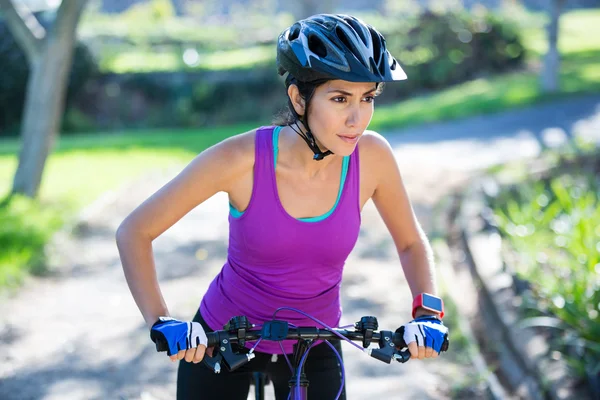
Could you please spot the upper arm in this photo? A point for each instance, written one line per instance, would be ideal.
(214, 170)
(390, 196)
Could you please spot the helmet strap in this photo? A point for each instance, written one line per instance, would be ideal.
(310, 140)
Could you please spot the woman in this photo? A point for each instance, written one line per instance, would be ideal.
(296, 190)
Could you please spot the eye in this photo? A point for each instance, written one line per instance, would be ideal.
(339, 99)
(370, 99)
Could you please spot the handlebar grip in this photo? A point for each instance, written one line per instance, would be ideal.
(399, 338)
(212, 338)
(159, 340)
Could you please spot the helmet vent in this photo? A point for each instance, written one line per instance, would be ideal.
(315, 44)
(294, 32)
(342, 36)
(357, 28)
(376, 46)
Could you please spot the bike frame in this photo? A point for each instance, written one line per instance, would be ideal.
(296, 393)
(299, 393)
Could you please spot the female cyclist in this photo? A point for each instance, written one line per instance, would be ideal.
(296, 190)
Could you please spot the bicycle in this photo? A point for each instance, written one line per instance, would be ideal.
(239, 330)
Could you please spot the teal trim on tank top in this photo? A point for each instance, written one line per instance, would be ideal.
(236, 214)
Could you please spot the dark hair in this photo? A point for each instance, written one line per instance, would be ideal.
(288, 115)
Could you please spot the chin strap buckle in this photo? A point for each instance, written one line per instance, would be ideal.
(310, 141)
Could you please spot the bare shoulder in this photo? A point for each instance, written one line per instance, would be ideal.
(221, 165)
(375, 150)
(215, 169)
(237, 149)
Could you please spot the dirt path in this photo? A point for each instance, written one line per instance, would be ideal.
(79, 335)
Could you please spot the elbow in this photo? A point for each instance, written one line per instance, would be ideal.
(121, 233)
(416, 248)
(128, 230)
(124, 232)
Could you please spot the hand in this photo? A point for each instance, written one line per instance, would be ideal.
(425, 337)
(181, 340)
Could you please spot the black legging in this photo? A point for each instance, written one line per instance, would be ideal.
(198, 382)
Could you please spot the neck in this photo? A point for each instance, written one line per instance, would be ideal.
(300, 155)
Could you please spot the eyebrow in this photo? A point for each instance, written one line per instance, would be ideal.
(348, 93)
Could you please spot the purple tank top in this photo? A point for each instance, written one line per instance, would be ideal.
(275, 260)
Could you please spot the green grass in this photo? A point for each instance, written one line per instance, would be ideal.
(72, 171)
(579, 32)
(140, 60)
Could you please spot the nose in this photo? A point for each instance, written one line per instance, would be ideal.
(353, 117)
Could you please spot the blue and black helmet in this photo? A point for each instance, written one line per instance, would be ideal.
(336, 46)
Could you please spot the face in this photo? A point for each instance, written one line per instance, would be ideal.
(339, 113)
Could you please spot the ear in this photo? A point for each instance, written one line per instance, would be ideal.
(296, 99)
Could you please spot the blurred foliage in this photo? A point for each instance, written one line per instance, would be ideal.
(438, 41)
(552, 227)
(26, 228)
(155, 100)
(154, 11)
(130, 30)
(436, 49)
(15, 73)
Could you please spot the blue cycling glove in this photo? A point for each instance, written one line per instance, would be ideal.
(427, 331)
(172, 335)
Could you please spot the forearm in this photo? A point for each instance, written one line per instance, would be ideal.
(418, 265)
(140, 272)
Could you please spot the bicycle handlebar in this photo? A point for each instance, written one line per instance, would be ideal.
(306, 333)
(239, 330)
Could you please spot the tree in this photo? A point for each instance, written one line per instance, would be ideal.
(551, 65)
(49, 55)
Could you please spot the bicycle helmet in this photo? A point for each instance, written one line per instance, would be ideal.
(333, 46)
(328, 46)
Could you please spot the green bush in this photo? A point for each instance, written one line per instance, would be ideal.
(553, 227)
(15, 72)
(179, 99)
(440, 49)
(25, 229)
(437, 50)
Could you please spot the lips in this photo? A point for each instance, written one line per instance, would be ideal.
(349, 138)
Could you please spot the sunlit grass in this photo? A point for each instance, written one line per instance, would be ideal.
(139, 60)
(579, 32)
(579, 74)
(84, 166)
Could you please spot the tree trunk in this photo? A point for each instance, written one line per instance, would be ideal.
(551, 66)
(45, 97)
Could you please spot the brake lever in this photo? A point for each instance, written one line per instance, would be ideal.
(225, 353)
(387, 349)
